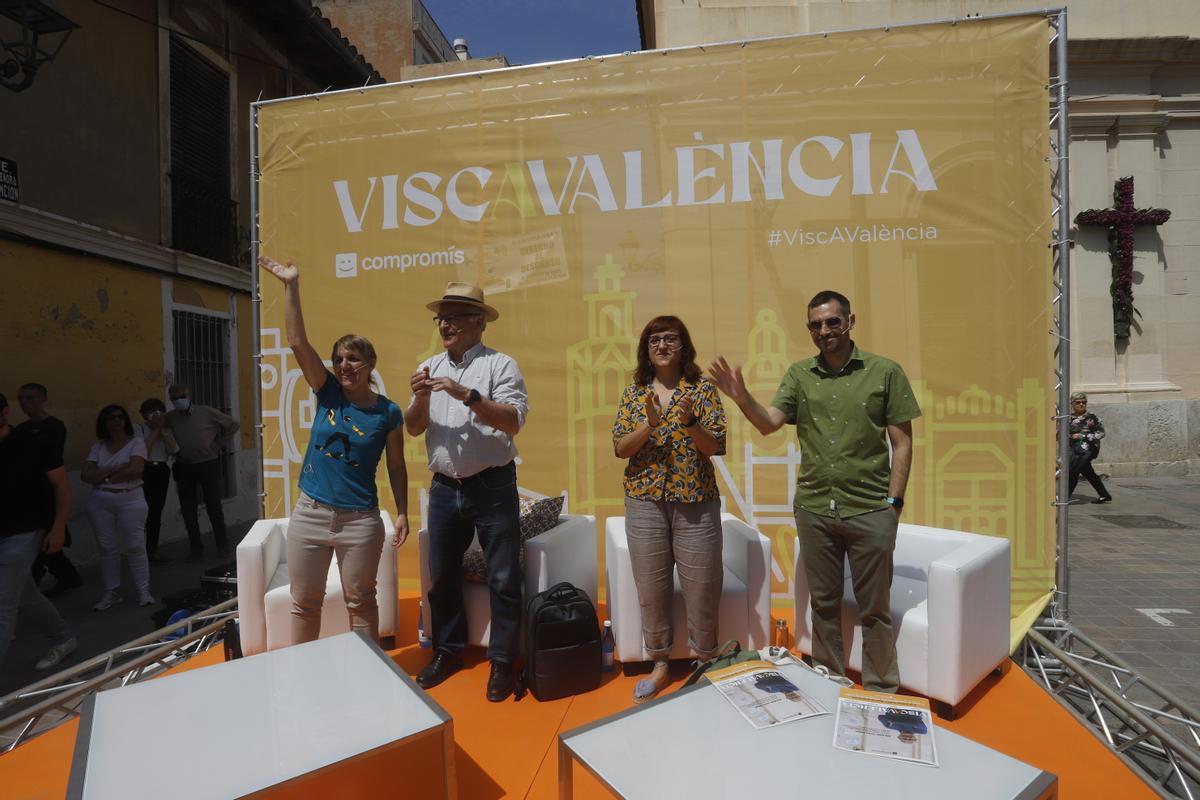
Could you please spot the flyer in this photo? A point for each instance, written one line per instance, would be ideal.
(889, 725)
(764, 695)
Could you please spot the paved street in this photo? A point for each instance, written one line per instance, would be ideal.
(99, 631)
(1135, 577)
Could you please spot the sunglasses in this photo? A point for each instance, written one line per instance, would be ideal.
(834, 324)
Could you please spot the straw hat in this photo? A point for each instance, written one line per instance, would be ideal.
(466, 294)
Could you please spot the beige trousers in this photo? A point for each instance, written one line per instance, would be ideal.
(315, 533)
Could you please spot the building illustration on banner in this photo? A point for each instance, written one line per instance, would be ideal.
(981, 461)
(598, 369)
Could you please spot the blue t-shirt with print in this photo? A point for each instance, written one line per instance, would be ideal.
(344, 448)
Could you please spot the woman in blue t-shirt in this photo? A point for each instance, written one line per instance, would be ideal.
(338, 509)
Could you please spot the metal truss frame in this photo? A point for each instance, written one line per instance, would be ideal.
(60, 697)
(1152, 731)
(1060, 248)
(1155, 733)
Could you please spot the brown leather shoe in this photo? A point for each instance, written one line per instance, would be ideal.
(501, 682)
(443, 666)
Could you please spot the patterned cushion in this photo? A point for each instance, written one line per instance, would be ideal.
(537, 516)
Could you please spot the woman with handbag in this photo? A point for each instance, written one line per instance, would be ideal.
(338, 508)
(669, 424)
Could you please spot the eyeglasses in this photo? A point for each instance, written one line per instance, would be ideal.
(671, 341)
(834, 324)
(453, 319)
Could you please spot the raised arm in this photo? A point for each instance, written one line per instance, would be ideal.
(293, 321)
(416, 418)
(505, 410)
(730, 381)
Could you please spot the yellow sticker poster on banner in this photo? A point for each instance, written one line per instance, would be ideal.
(726, 185)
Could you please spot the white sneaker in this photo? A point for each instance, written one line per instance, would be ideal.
(56, 654)
(106, 602)
(146, 599)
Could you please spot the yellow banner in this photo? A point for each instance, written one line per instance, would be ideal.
(726, 185)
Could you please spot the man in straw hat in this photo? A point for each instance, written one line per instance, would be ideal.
(470, 402)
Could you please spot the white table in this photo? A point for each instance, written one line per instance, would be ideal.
(238, 727)
(694, 744)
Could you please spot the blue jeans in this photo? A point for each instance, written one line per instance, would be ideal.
(18, 592)
(485, 504)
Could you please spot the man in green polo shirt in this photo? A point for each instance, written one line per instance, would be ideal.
(847, 405)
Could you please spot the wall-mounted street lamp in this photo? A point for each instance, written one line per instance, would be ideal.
(34, 33)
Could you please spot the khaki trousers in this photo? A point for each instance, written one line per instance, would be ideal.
(317, 531)
(867, 541)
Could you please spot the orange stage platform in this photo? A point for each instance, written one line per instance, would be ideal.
(508, 749)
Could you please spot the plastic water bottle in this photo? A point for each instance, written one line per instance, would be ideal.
(422, 639)
(608, 646)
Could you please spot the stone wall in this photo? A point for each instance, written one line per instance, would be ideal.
(1159, 437)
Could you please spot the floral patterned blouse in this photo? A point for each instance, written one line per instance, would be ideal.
(668, 467)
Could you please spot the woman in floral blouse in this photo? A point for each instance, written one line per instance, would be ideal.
(669, 425)
(1086, 433)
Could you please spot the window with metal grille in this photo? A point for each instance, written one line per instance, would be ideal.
(202, 365)
(203, 217)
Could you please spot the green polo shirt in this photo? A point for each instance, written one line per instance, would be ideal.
(841, 421)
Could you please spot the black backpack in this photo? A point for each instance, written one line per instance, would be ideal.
(562, 643)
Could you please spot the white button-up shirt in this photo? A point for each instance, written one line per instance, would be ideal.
(458, 443)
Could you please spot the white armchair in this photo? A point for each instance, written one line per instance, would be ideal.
(566, 552)
(745, 610)
(950, 610)
(265, 598)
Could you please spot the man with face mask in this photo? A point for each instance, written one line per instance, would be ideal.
(201, 433)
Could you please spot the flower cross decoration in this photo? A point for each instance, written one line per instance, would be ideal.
(1120, 220)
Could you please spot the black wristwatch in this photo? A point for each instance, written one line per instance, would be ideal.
(472, 398)
(695, 421)
(896, 502)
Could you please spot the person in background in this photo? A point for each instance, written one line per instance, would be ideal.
(338, 508)
(117, 506)
(27, 466)
(201, 432)
(1086, 432)
(670, 423)
(32, 399)
(156, 477)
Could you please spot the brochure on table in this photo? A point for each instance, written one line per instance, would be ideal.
(888, 725)
(763, 694)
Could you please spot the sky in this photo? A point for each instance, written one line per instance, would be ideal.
(530, 31)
